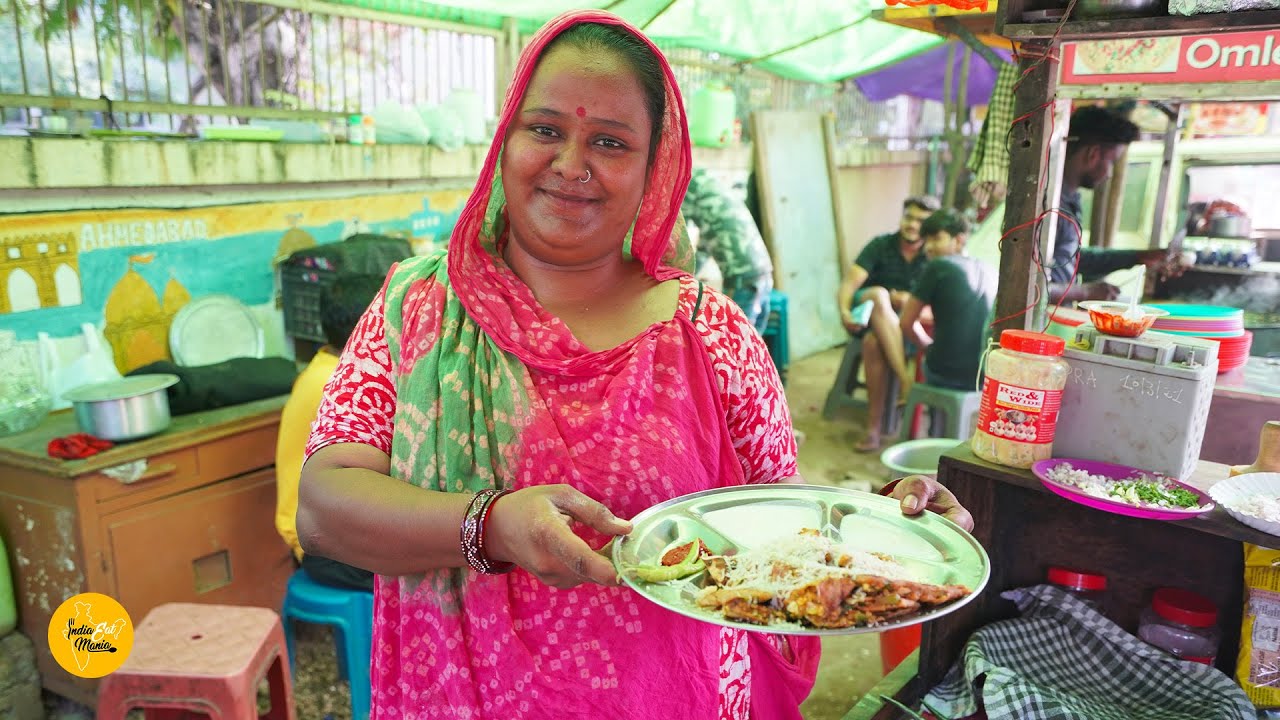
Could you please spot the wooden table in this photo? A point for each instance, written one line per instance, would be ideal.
(197, 525)
(1025, 529)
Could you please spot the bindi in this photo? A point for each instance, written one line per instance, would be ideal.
(582, 112)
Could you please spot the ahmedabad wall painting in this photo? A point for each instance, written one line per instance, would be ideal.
(130, 271)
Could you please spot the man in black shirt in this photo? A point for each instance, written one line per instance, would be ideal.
(961, 291)
(1096, 138)
(883, 275)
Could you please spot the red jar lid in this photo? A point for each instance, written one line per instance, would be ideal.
(1077, 580)
(1184, 606)
(1032, 342)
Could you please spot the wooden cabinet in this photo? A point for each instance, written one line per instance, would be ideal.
(1025, 529)
(187, 515)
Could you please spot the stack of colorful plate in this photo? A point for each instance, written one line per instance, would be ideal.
(1212, 322)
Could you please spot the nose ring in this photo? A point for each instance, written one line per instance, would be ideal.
(587, 179)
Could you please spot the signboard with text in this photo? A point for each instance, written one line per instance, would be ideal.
(1252, 56)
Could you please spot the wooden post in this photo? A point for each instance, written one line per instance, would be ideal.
(1028, 146)
(837, 206)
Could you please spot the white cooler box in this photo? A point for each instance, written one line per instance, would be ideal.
(1138, 401)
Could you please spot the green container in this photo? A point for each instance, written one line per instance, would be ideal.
(8, 607)
(711, 113)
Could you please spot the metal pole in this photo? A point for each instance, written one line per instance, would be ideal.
(44, 37)
(71, 45)
(124, 67)
(146, 79)
(1171, 136)
(342, 50)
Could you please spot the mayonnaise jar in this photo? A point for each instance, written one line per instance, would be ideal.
(1021, 396)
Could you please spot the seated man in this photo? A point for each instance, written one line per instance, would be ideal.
(728, 235)
(961, 291)
(341, 305)
(883, 274)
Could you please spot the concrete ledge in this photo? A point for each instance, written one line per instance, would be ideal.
(58, 163)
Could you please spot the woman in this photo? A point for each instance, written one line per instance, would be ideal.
(559, 352)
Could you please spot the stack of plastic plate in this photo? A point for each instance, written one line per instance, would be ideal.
(1212, 322)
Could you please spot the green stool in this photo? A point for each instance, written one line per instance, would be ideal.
(959, 409)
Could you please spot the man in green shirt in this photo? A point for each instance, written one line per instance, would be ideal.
(961, 291)
(883, 275)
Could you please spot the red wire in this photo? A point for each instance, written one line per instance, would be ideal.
(1047, 57)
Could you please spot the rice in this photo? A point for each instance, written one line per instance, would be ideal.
(1259, 505)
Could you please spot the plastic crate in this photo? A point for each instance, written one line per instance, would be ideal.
(300, 289)
(776, 333)
(305, 274)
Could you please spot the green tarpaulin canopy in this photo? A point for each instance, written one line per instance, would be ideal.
(813, 40)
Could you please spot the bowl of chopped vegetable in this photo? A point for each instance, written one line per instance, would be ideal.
(1121, 489)
(1253, 499)
(1122, 319)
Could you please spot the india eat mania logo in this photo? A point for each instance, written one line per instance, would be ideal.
(90, 635)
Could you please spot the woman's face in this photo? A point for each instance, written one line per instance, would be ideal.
(581, 112)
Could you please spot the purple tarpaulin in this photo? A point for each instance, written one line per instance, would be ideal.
(924, 76)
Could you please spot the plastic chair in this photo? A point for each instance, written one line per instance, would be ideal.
(846, 384)
(350, 612)
(777, 333)
(207, 659)
(958, 409)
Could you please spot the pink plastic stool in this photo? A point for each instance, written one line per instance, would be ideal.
(206, 659)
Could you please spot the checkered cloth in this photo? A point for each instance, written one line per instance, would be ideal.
(989, 160)
(1063, 661)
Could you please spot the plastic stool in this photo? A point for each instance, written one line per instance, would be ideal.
(350, 612)
(841, 393)
(958, 406)
(776, 333)
(202, 658)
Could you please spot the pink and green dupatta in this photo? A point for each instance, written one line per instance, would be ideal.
(493, 391)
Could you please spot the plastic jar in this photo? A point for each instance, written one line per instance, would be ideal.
(1087, 587)
(1021, 396)
(1182, 624)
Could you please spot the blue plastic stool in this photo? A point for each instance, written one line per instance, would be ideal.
(351, 614)
(776, 333)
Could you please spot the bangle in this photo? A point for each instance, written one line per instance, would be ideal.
(472, 534)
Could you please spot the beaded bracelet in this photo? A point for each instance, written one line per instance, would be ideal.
(472, 534)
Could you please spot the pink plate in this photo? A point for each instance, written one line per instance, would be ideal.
(1115, 472)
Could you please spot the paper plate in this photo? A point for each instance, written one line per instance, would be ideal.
(934, 549)
(1115, 472)
(1234, 490)
(212, 329)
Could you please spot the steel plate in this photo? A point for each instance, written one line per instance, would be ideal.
(213, 329)
(934, 549)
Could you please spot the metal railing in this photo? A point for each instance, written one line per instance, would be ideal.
(173, 65)
(170, 64)
(900, 122)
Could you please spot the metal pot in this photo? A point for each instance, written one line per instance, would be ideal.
(1230, 226)
(126, 409)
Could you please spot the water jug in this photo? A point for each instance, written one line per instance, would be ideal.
(711, 114)
(8, 604)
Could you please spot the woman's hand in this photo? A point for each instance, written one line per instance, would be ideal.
(532, 528)
(917, 493)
